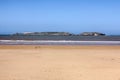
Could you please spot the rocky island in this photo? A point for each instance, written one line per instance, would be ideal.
(61, 34)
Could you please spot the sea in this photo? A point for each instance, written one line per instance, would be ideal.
(59, 40)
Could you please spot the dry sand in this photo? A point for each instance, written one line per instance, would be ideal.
(59, 62)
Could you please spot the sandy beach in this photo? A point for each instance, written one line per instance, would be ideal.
(37, 62)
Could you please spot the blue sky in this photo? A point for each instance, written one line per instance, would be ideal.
(73, 16)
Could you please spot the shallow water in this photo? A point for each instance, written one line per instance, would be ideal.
(60, 42)
(71, 38)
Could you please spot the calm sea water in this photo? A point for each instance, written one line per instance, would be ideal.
(41, 42)
(59, 40)
(71, 38)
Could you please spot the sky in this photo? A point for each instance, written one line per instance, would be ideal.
(74, 16)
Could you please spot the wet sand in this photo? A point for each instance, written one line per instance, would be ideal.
(35, 62)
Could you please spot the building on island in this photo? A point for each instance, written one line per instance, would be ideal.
(92, 34)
